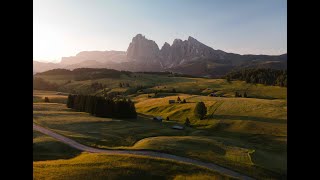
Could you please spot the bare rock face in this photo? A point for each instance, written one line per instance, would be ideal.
(142, 50)
(184, 51)
(180, 52)
(165, 54)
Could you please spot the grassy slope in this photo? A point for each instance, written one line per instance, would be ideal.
(99, 132)
(109, 133)
(101, 166)
(47, 148)
(55, 97)
(98, 166)
(255, 116)
(245, 123)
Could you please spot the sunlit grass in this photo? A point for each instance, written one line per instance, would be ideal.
(101, 166)
(246, 134)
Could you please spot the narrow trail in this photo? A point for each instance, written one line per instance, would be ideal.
(81, 147)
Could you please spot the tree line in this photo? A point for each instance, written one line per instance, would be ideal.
(102, 106)
(262, 76)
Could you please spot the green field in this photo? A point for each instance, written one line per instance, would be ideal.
(54, 97)
(248, 135)
(254, 116)
(79, 165)
(242, 151)
(100, 166)
(161, 83)
(47, 148)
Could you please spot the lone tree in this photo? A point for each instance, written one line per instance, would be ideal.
(168, 118)
(178, 99)
(184, 101)
(200, 110)
(46, 99)
(187, 122)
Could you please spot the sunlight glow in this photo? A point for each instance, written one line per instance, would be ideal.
(48, 43)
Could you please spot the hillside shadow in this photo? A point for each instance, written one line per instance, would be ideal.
(53, 150)
(248, 118)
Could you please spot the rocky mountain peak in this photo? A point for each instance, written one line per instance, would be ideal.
(138, 37)
(141, 49)
(176, 42)
(191, 39)
(165, 46)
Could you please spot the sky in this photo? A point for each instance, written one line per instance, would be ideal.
(65, 27)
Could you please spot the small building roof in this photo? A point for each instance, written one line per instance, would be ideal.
(177, 127)
(158, 118)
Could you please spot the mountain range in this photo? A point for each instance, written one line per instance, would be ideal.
(183, 56)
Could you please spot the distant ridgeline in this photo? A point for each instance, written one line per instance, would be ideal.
(102, 106)
(96, 73)
(86, 73)
(261, 76)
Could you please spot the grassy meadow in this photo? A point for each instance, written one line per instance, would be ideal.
(47, 148)
(161, 83)
(248, 135)
(101, 166)
(50, 156)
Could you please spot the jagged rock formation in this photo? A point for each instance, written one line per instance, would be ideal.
(142, 50)
(189, 57)
(185, 51)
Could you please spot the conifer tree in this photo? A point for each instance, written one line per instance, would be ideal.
(200, 110)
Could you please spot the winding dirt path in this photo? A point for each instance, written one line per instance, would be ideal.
(81, 147)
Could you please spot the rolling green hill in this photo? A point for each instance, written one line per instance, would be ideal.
(248, 135)
(238, 147)
(101, 166)
(151, 83)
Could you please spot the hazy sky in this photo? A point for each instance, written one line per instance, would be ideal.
(66, 27)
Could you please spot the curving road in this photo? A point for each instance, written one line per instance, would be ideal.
(81, 147)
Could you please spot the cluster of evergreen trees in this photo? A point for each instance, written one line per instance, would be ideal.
(102, 106)
(262, 76)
